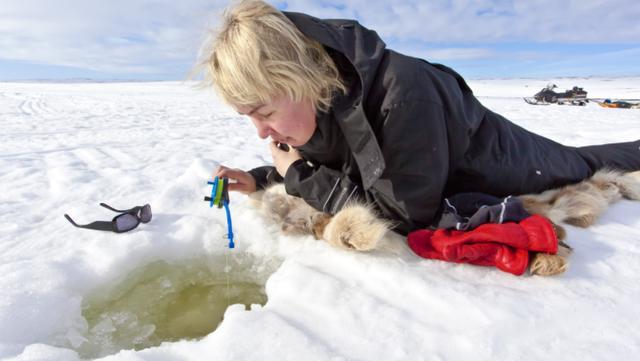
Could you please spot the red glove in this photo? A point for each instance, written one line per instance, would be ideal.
(505, 245)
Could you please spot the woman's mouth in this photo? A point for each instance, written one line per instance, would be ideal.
(282, 140)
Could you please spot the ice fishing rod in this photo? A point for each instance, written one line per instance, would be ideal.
(220, 198)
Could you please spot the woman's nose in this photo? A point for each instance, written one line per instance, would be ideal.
(263, 133)
(263, 130)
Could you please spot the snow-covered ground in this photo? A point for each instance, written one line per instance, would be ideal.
(64, 148)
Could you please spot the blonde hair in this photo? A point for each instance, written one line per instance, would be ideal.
(259, 54)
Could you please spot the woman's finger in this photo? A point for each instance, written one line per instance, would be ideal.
(220, 171)
(233, 173)
(237, 187)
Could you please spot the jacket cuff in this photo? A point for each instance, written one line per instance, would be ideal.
(264, 176)
(297, 172)
(324, 189)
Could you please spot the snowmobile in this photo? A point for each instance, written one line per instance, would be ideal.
(546, 96)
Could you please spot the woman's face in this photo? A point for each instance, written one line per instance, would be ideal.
(283, 120)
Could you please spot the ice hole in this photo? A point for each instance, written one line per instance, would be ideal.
(164, 301)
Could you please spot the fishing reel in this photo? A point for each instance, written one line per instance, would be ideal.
(220, 198)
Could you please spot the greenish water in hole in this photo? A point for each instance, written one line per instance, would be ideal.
(168, 302)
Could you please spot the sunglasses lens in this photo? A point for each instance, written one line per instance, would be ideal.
(126, 222)
(145, 213)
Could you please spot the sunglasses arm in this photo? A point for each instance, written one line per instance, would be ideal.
(71, 220)
(116, 210)
(97, 225)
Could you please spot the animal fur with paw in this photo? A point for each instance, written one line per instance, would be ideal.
(355, 227)
(580, 205)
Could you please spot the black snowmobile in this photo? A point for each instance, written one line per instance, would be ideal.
(575, 96)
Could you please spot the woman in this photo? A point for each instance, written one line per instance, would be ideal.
(365, 122)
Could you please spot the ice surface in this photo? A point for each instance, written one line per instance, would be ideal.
(64, 148)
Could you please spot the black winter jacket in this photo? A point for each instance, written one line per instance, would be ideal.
(409, 133)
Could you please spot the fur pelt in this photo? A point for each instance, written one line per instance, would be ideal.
(357, 226)
(582, 203)
(579, 205)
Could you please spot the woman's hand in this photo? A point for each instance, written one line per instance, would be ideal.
(283, 159)
(244, 181)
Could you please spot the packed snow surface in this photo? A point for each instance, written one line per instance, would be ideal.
(66, 147)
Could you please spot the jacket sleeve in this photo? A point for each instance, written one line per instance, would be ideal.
(325, 189)
(265, 175)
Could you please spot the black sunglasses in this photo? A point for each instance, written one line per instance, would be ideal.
(127, 220)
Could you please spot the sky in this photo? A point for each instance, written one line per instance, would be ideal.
(160, 39)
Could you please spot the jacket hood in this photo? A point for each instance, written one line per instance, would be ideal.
(364, 49)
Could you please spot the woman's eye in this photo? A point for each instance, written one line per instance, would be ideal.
(264, 116)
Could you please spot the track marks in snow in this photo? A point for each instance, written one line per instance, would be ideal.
(35, 105)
